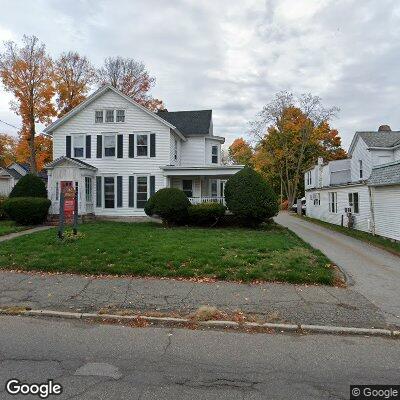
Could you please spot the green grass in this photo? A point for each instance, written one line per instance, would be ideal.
(7, 227)
(378, 241)
(148, 249)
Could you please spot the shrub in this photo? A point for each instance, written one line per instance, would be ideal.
(250, 198)
(3, 214)
(206, 214)
(27, 210)
(29, 186)
(170, 204)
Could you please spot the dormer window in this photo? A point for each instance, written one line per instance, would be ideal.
(214, 154)
(109, 115)
(98, 117)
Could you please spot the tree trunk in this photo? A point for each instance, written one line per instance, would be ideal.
(32, 156)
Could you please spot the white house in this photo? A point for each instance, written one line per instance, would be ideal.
(365, 186)
(10, 175)
(117, 153)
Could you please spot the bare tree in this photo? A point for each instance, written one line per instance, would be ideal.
(27, 72)
(73, 76)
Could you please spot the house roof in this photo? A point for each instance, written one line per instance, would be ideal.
(386, 174)
(189, 122)
(75, 161)
(381, 138)
(15, 174)
(96, 95)
(27, 168)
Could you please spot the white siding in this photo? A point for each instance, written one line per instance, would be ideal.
(193, 151)
(360, 152)
(173, 161)
(380, 157)
(396, 155)
(209, 143)
(386, 201)
(6, 185)
(362, 220)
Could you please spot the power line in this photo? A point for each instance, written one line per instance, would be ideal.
(12, 126)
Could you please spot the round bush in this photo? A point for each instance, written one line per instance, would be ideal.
(206, 214)
(250, 198)
(29, 186)
(170, 204)
(27, 210)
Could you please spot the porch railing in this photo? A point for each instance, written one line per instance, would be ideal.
(207, 199)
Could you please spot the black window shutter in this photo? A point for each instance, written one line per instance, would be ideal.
(131, 191)
(119, 191)
(131, 146)
(98, 191)
(99, 146)
(68, 146)
(120, 146)
(88, 146)
(152, 145)
(152, 185)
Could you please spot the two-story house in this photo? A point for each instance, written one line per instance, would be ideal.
(365, 186)
(116, 153)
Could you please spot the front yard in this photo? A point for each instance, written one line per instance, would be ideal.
(7, 227)
(148, 249)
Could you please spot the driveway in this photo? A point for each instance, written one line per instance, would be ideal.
(373, 272)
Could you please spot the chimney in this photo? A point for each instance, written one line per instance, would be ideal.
(384, 128)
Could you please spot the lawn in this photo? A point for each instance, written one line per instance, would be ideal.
(7, 227)
(378, 241)
(148, 249)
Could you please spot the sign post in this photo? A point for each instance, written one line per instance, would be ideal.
(68, 210)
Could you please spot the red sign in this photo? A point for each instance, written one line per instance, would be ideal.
(69, 206)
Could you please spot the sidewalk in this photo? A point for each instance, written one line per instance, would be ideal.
(320, 305)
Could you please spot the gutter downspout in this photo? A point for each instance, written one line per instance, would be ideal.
(371, 205)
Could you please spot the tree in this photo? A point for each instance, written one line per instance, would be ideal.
(240, 152)
(73, 76)
(27, 72)
(43, 150)
(131, 78)
(8, 145)
(292, 132)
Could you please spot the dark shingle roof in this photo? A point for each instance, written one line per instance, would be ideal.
(387, 174)
(15, 174)
(381, 139)
(189, 122)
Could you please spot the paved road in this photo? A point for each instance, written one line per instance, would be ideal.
(374, 272)
(97, 362)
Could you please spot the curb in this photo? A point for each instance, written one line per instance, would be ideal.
(178, 322)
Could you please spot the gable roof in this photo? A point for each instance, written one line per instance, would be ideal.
(95, 95)
(78, 163)
(384, 139)
(189, 122)
(386, 174)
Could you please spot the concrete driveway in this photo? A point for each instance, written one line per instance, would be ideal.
(373, 272)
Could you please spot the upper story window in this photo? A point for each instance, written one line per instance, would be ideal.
(79, 144)
(309, 178)
(109, 115)
(98, 116)
(142, 145)
(360, 164)
(109, 145)
(175, 149)
(120, 115)
(214, 154)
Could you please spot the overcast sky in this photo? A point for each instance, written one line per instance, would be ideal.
(233, 56)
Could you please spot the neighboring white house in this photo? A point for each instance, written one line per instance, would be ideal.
(367, 185)
(10, 175)
(117, 154)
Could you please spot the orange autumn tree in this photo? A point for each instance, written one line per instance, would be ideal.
(8, 146)
(43, 150)
(240, 152)
(27, 72)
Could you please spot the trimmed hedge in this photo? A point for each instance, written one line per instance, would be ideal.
(27, 210)
(170, 204)
(206, 214)
(29, 186)
(250, 198)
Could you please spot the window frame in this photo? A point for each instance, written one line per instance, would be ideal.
(116, 115)
(104, 177)
(105, 115)
(104, 144)
(187, 190)
(137, 176)
(214, 146)
(353, 203)
(74, 136)
(88, 193)
(102, 117)
(317, 199)
(332, 200)
(360, 169)
(147, 134)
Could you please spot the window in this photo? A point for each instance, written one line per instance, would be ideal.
(214, 154)
(109, 192)
(88, 189)
(361, 168)
(109, 115)
(79, 144)
(354, 202)
(176, 149)
(109, 146)
(187, 187)
(309, 178)
(214, 188)
(141, 191)
(333, 202)
(142, 145)
(317, 199)
(98, 117)
(57, 191)
(120, 115)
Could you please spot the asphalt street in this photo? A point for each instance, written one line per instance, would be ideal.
(94, 361)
